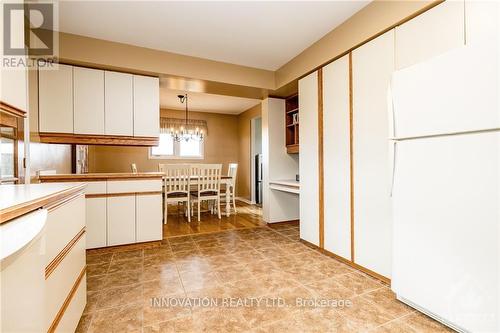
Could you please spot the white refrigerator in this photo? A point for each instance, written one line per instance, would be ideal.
(445, 177)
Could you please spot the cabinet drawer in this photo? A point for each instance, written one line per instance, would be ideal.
(132, 186)
(61, 280)
(95, 188)
(64, 222)
(71, 316)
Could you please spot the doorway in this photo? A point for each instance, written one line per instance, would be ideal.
(256, 160)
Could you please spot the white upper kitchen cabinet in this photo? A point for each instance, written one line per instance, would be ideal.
(14, 87)
(88, 87)
(55, 89)
(372, 67)
(119, 104)
(432, 33)
(336, 151)
(308, 158)
(146, 106)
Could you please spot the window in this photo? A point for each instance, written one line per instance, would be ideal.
(169, 149)
(7, 152)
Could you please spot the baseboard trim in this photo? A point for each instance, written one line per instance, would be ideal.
(284, 222)
(245, 200)
(348, 262)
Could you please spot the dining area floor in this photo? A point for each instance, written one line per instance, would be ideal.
(258, 279)
(178, 225)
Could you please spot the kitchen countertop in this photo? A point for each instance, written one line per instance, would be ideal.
(87, 177)
(285, 185)
(17, 200)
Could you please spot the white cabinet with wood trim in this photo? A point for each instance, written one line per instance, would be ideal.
(55, 94)
(372, 68)
(121, 219)
(337, 157)
(119, 112)
(14, 87)
(148, 216)
(434, 32)
(96, 222)
(146, 106)
(88, 93)
(308, 158)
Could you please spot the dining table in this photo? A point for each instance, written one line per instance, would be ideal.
(224, 180)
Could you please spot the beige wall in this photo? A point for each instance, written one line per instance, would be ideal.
(221, 146)
(244, 158)
(373, 19)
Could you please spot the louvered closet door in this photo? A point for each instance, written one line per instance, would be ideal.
(372, 67)
(336, 157)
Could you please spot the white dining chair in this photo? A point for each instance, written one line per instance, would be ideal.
(177, 183)
(208, 185)
(231, 173)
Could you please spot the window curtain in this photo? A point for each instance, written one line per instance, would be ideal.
(169, 125)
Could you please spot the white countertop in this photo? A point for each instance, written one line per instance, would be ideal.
(285, 182)
(14, 195)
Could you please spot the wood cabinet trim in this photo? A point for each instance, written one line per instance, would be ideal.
(67, 301)
(94, 177)
(61, 255)
(90, 139)
(125, 194)
(12, 110)
(63, 202)
(12, 212)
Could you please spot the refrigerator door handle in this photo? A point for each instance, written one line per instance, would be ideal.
(393, 166)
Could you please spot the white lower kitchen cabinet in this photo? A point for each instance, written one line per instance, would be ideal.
(96, 222)
(148, 214)
(121, 220)
(337, 156)
(308, 158)
(372, 68)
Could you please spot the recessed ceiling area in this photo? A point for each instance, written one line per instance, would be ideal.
(260, 34)
(202, 102)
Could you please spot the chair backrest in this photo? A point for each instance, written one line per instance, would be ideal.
(46, 172)
(232, 171)
(208, 176)
(177, 177)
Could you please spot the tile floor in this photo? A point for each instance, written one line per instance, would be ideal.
(244, 265)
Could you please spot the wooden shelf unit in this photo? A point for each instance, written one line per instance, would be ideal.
(291, 126)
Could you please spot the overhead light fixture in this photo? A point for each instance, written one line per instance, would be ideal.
(186, 132)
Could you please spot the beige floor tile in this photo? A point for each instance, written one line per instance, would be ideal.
(423, 323)
(166, 310)
(158, 251)
(92, 298)
(233, 273)
(158, 260)
(364, 313)
(125, 265)
(161, 288)
(126, 318)
(97, 269)
(160, 272)
(95, 283)
(387, 299)
(119, 296)
(127, 255)
(98, 258)
(396, 326)
(358, 282)
(330, 289)
(122, 278)
(84, 323)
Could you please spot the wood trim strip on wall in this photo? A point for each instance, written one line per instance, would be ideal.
(67, 301)
(10, 213)
(124, 194)
(66, 138)
(61, 255)
(351, 154)
(348, 262)
(320, 162)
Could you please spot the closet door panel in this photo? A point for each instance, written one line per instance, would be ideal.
(308, 158)
(372, 67)
(336, 151)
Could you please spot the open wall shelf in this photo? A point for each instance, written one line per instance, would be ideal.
(292, 124)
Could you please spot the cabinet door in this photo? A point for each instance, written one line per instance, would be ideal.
(121, 220)
(146, 106)
(118, 110)
(88, 100)
(55, 89)
(14, 87)
(96, 222)
(308, 158)
(372, 67)
(148, 217)
(429, 34)
(337, 156)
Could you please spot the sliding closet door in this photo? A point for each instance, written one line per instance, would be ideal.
(308, 158)
(337, 173)
(372, 67)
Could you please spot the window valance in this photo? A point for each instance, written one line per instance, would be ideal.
(169, 125)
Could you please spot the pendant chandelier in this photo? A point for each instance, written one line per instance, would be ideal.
(186, 132)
